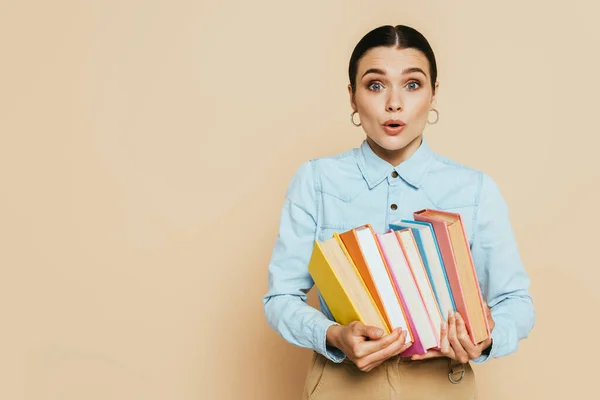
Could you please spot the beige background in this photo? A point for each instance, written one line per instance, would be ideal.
(146, 147)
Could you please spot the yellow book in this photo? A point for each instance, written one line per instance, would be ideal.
(341, 285)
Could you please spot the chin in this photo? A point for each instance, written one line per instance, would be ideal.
(393, 143)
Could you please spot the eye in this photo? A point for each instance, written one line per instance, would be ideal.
(375, 86)
(413, 85)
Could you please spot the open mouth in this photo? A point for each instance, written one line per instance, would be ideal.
(394, 123)
(393, 127)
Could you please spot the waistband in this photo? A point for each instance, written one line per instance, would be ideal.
(407, 360)
(398, 359)
(456, 369)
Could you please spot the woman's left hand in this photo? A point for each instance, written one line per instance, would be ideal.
(455, 342)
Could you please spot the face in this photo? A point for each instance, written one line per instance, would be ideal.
(393, 98)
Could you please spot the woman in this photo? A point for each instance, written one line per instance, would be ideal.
(393, 87)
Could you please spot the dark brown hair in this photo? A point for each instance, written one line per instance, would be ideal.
(401, 36)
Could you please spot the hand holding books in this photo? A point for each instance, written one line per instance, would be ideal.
(455, 341)
(367, 346)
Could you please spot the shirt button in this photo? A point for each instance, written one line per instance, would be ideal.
(394, 174)
(394, 207)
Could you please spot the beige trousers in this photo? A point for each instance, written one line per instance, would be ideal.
(396, 379)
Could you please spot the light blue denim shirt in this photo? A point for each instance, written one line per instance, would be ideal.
(338, 193)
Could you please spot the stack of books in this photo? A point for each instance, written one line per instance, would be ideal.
(410, 276)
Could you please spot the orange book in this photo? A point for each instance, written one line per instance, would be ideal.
(458, 262)
(363, 246)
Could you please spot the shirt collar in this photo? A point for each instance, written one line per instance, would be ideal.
(413, 170)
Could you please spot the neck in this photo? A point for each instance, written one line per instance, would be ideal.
(396, 157)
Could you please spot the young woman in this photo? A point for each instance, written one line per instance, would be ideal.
(393, 87)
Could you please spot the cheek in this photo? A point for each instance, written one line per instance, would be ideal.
(421, 108)
(369, 108)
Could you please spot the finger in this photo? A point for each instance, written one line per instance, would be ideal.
(429, 354)
(482, 346)
(371, 332)
(465, 340)
(490, 319)
(377, 357)
(374, 333)
(405, 346)
(390, 350)
(459, 352)
(365, 348)
(371, 366)
(445, 347)
(488, 311)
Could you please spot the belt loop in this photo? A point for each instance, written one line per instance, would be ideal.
(455, 368)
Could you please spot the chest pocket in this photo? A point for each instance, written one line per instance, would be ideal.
(340, 214)
(326, 232)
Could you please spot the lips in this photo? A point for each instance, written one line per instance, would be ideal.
(393, 126)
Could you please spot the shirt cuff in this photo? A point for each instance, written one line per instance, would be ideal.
(320, 339)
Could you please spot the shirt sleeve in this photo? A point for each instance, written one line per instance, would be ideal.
(289, 281)
(504, 281)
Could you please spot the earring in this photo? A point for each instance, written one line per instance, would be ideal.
(437, 117)
(352, 119)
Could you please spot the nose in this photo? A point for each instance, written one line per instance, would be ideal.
(394, 103)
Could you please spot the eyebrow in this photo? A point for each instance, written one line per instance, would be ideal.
(404, 72)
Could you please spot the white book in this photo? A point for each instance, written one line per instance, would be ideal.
(381, 278)
(404, 279)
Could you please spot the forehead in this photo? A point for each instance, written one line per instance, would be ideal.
(392, 60)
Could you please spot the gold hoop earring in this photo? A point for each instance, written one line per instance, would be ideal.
(352, 119)
(437, 117)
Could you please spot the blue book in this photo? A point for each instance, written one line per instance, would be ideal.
(432, 259)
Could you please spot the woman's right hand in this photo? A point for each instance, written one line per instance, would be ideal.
(365, 345)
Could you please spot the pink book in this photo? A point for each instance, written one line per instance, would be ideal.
(454, 248)
(404, 283)
(415, 263)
